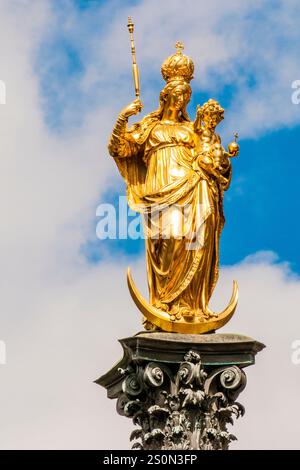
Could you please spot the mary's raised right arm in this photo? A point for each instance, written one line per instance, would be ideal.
(121, 143)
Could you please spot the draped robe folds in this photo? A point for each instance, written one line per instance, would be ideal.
(181, 209)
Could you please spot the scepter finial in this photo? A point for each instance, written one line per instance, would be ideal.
(130, 25)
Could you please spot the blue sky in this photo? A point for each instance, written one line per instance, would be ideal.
(261, 206)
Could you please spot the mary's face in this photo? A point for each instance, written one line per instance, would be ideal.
(178, 98)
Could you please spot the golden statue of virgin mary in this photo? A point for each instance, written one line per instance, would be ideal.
(176, 172)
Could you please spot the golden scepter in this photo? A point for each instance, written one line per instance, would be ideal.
(135, 70)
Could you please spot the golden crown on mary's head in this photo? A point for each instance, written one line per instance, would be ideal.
(178, 66)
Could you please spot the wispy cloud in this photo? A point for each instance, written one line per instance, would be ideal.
(248, 50)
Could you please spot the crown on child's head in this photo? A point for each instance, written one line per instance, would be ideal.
(212, 106)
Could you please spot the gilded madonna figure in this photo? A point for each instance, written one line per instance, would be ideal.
(176, 171)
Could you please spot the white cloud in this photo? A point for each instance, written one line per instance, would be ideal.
(60, 317)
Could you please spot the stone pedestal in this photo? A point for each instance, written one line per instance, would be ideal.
(181, 390)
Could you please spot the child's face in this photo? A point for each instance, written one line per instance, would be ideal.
(211, 119)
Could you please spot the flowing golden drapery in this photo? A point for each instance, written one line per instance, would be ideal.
(182, 211)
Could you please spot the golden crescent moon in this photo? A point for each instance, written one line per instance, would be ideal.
(162, 319)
